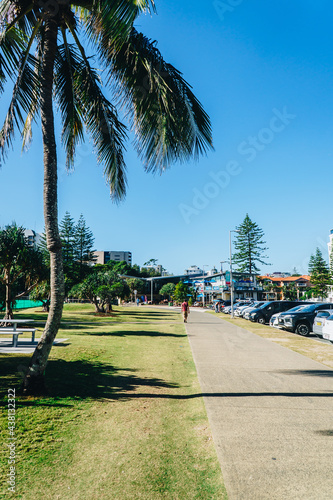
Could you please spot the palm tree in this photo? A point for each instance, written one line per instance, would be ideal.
(42, 52)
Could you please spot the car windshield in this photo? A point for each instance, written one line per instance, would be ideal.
(263, 305)
(322, 313)
(310, 308)
(297, 308)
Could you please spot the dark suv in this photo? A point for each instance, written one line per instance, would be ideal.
(264, 313)
(301, 321)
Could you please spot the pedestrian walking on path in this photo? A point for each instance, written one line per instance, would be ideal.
(185, 310)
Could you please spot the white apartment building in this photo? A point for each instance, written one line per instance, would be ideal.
(103, 257)
(330, 246)
(193, 270)
(32, 237)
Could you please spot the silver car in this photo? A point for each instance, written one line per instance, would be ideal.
(247, 312)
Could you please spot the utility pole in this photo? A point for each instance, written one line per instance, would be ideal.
(203, 284)
(231, 281)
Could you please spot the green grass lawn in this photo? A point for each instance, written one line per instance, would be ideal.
(123, 419)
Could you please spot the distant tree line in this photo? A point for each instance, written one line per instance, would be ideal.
(25, 270)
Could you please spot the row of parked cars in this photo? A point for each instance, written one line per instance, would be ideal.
(299, 317)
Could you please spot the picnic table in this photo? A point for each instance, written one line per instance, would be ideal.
(15, 331)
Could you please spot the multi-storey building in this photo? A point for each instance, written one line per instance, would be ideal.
(330, 246)
(193, 270)
(103, 257)
(32, 237)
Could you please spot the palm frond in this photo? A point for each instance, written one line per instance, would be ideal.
(107, 132)
(7, 12)
(34, 104)
(102, 123)
(12, 44)
(67, 64)
(24, 91)
(19, 15)
(116, 17)
(169, 122)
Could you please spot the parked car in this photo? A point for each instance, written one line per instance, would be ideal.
(264, 313)
(255, 305)
(224, 304)
(301, 322)
(274, 321)
(319, 321)
(328, 329)
(226, 310)
(239, 310)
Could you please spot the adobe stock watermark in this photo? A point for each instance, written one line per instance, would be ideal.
(225, 7)
(248, 149)
(11, 441)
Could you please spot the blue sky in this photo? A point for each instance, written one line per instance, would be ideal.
(263, 71)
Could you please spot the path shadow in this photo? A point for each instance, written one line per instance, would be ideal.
(309, 373)
(229, 395)
(325, 433)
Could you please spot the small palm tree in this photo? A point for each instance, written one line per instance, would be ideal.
(42, 51)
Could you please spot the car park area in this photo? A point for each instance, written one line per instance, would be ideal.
(313, 319)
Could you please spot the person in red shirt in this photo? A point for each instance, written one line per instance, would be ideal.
(185, 310)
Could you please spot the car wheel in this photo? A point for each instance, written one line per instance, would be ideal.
(303, 329)
(261, 321)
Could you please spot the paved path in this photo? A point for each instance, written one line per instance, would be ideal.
(270, 410)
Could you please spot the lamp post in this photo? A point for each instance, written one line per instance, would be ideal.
(223, 262)
(231, 282)
(203, 284)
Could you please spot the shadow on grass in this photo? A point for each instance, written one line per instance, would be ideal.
(151, 314)
(83, 379)
(140, 333)
(77, 380)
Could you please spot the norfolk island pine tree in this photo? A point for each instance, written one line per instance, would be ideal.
(169, 122)
(249, 249)
(320, 275)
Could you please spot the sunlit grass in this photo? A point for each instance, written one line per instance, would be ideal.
(124, 417)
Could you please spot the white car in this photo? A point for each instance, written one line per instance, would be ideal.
(320, 320)
(274, 321)
(239, 311)
(327, 329)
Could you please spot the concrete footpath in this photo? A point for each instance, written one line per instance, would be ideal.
(270, 410)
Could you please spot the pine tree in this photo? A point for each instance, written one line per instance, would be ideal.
(67, 236)
(83, 247)
(320, 275)
(249, 247)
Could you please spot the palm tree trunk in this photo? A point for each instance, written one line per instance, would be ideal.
(34, 380)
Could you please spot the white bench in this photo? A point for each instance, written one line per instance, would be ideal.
(17, 332)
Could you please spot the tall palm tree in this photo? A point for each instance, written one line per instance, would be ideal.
(42, 52)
